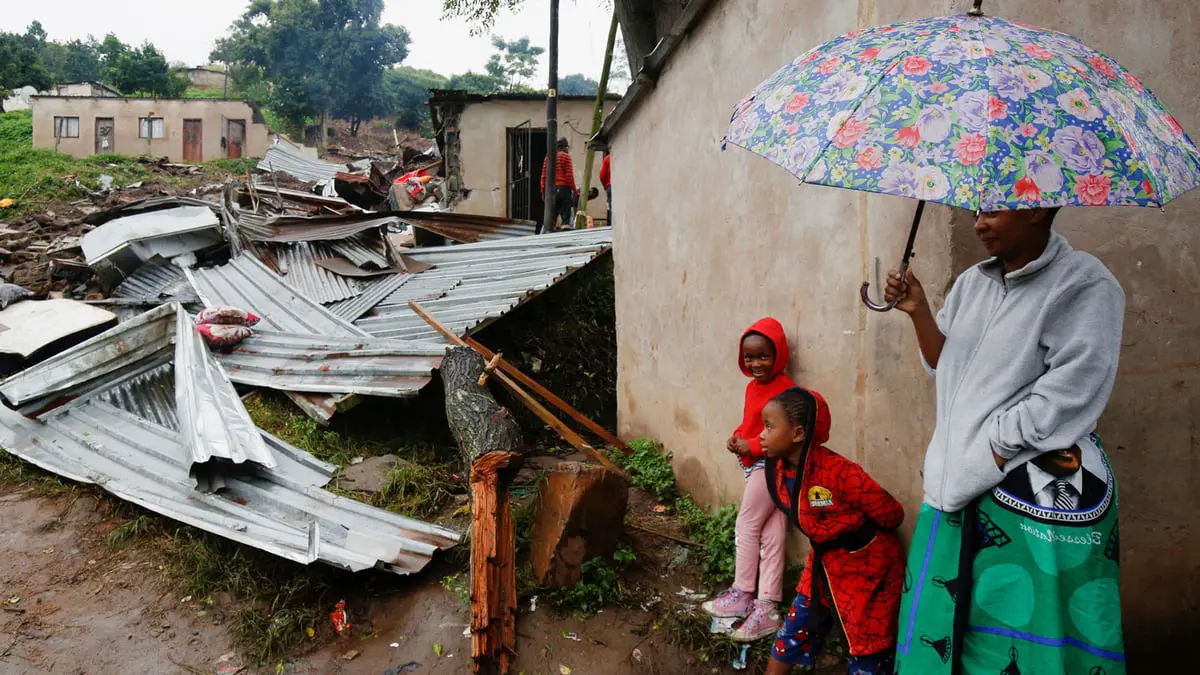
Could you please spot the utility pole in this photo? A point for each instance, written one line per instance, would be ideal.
(226, 93)
(551, 122)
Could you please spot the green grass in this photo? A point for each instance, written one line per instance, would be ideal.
(34, 176)
(276, 414)
(18, 473)
(237, 167)
(416, 489)
(192, 92)
(600, 585)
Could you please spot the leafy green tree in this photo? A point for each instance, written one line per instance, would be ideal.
(319, 56)
(145, 71)
(408, 92)
(19, 64)
(476, 83)
(578, 85)
(515, 63)
(81, 62)
(482, 12)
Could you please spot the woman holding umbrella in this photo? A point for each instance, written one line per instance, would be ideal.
(1014, 563)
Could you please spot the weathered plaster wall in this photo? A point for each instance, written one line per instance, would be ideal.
(484, 156)
(127, 111)
(708, 241)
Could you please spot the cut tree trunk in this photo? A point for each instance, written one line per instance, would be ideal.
(490, 442)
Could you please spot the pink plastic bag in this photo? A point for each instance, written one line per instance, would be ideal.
(227, 316)
(219, 335)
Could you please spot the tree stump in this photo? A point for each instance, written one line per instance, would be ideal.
(490, 442)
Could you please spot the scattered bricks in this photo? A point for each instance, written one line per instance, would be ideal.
(580, 515)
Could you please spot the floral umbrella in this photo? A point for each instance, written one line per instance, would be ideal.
(970, 111)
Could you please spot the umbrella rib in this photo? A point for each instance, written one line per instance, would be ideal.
(820, 155)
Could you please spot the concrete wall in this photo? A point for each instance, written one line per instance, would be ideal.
(126, 112)
(485, 149)
(708, 241)
(203, 78)
(83, 89)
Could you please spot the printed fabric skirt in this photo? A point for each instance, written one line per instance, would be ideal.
(1006, 586)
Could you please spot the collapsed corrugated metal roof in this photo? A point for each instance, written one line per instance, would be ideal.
(33, 329)
(283, 157)
(318, 228)
(124, 435)
(467, 228)
(297, 263)
(481, 282)
(166, 233)
(153, 282)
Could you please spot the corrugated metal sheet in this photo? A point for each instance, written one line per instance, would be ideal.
(374, 292)
(246, 282)
(153, 282)
(363, 250)
(318, 228)
(298, 263)
(282, 157)
(466, 227)
(281, 510)
(118, 350)
(333, 365)
(213, 423)
(481, 282)
(168, 233)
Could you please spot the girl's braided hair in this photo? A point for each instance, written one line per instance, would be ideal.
(800, 408)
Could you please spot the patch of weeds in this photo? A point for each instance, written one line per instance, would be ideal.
(275, 633)
(17, 472)
(132, 530)
(717, 531)
(649, 467)
(458, 585)
(690, 630)
(527, 583)
(599, 585)
(279, 416)
(280, 600)
(237, 167)
(523, 512)
(416, 490)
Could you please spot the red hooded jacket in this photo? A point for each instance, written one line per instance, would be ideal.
(758, 394)
(836, 498)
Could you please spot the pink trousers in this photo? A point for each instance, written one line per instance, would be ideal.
(760, 528)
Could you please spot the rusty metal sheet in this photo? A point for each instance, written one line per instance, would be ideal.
(467, 228)
(318, 228)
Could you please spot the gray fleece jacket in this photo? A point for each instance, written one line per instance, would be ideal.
(1028, 366)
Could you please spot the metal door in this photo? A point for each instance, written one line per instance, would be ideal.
(526, 150)
(104, 136)
(235, 137)
(192, 141)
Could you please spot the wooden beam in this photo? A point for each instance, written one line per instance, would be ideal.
(555, 401)
(537, 408)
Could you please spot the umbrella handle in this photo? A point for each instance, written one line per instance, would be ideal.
(908, 252)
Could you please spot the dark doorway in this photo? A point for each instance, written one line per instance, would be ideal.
(526, 151)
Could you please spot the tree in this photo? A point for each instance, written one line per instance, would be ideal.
(476, 83)
(482, 12)
(320, 56)
(515, 63)
(408, 93)
(19, 65)
(144, 71)
(577, 85)
(82, 61)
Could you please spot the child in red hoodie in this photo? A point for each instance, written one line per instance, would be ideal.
(761, 528)
(856, 567)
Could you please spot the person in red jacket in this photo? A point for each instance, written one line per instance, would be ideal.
(606, 183)
(565, 191)
(856, 567)
(761, 530)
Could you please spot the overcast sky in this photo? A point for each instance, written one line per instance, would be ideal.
(186, 29)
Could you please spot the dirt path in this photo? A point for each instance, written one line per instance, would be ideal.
(72, 606)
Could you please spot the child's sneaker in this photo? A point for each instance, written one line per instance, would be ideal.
(764, 622)
(733, 603)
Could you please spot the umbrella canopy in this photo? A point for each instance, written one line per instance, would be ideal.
(970, 111)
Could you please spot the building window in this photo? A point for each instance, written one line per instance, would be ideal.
(66, 127)
(151, 127)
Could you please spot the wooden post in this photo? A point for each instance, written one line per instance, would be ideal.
(597, 121)
(490, 441)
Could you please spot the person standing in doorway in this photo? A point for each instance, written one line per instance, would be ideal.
(565, 192)
(1014, 564)
(606, 182)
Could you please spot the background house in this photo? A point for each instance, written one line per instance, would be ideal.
(708, 241)
(184, 130)
(497, 144)
(202, 77)
(95, 89)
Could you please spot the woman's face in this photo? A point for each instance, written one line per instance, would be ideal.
(1007, 233)
(779, 437)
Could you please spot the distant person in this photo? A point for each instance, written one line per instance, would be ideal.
(606, 181)
(761, 529)
(855, 570)
(565, 191)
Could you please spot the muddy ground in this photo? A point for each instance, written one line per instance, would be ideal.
(72, 605)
